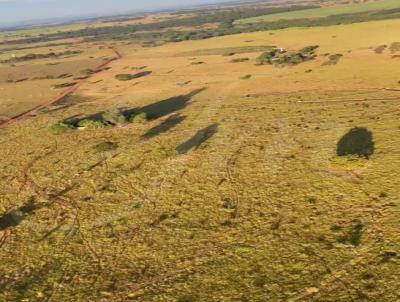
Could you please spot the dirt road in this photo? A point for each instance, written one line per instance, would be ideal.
(64, 94)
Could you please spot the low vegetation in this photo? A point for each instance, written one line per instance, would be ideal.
(333, 59)
(280, 57)
(50, 55)
(128, 77)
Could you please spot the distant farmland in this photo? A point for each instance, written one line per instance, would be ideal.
(325, 11)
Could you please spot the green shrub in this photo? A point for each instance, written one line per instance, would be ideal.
(106, 146)
(140, 117)
(246, 77)
(91, 124)
(267, 57)
(113, 117)
(281, 57)
(60, 127)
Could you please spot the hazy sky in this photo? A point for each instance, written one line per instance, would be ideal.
(12, 11)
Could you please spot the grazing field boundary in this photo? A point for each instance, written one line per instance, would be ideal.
(59, 97)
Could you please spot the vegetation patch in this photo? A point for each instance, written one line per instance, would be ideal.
(227, 51)
(138, 118)
(128, 77)
(113, 117)
(395, 46)
(33, 56)
(90, 124)
(380, 49)
(60, 127)
(333, 59)
(279, 56)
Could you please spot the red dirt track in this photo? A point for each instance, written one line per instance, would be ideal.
(65, 93)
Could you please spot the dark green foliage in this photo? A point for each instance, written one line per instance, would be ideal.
(113, 117)
(267, 57)
(280, 57)
(91, 124)
(138, 118)
(358, 141)
(60, 127)
(106, 146)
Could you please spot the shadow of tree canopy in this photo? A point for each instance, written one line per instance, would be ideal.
(166, 107)
(16, 216)
(198, 139)
(165, 126)
(153, 111)
(358, 141)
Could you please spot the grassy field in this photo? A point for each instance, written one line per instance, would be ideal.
(326, 11)
(24, 85)
(232, 191)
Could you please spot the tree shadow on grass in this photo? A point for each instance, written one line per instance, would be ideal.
(15, 217)
(166, 107)
(153, 111)
(165, 126)
(358, 141)
(198, 139)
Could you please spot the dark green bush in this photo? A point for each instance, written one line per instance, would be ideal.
(60, 127)
(113, 117)
(140, 117)
(90, 124)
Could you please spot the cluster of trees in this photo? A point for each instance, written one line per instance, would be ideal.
(34, 56)
(225, 17)
(281, 57)
(153, 33)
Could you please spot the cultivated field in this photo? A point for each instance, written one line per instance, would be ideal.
(327, 11)
(230, 189)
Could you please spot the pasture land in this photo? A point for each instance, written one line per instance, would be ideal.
(228, 188)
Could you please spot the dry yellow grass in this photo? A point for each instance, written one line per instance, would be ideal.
(234, 192)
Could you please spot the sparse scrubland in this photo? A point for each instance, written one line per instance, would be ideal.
(199, 171)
